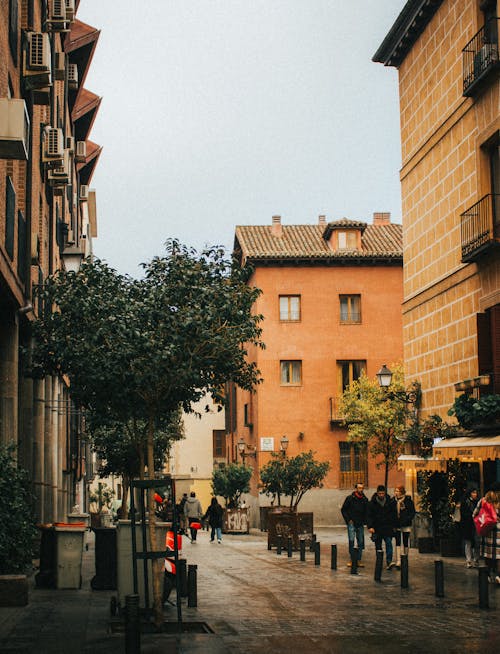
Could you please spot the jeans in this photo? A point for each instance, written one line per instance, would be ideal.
(358, 534)
(215, 530)
(471, 550)
(388, 546)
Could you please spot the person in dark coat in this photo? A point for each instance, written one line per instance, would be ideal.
(214, 514)
(405, 511)
(381, 522)
(468, 528)
(490, 544)
(354, 511)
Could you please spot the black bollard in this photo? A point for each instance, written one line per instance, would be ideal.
(317, 553)
(484, 602)
(280, 545)
(289, 545)
(192, 585)
(439, 578)
(132, 625)
(379, 561)
(334, 558)
(269, 545)
(313, 540)
(182, 568)
(404, 570)
(302, 549)
(354, 560)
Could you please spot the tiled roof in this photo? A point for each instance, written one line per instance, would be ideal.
(306, 242)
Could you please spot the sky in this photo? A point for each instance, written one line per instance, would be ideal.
(218, 113)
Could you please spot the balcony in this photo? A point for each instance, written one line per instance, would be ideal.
(336, 418)
(480, 58)
(480, 227)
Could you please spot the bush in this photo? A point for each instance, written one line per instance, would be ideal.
(230, 482)
(17, 532)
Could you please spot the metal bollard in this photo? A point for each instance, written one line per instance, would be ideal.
(132, 625)
(192, 585)
(302, 549)
(484, 601)
(404, 570)
(289, 545)
(354, 560)
(439, 578)
(317, 553)
(313, 540)
(334, 558)
(269, 545)
(280, 545)
(379, 561)
(182, 568)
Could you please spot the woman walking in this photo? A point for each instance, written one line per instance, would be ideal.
(490, 544)
(468, 529)
(214, 515)
(405, 509)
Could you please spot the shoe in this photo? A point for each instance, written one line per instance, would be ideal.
(391, 565)
(360, 564)
(349, 565)
(496, 580)
(476, 564)
(211, 540)
(468, 564)
(398, 566)
(219, 541)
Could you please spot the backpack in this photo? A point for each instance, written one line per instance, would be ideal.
(486, 518)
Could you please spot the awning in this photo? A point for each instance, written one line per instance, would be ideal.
(412, 462)
(468, 448)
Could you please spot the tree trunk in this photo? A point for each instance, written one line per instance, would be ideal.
(125, 488)
(157, 564)
(386, 479)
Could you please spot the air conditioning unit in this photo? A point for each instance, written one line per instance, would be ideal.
(57, 21)
(70, 10)
(60, 176)
(60, 65)
(14, 129)
(37, 69)
(81, 151)
(73, 76)
(84, 193)
(70, 144)
(53, 150)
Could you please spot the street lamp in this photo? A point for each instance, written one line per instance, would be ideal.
(284, 445)
(72, 257)
(412, 396)
(242, 447)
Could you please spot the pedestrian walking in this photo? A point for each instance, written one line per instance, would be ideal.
(180, 514)
(468, 529)
(214, 515)
(354, 511)
(381, 522)
(405, 512)
(490, 544)
(193, 513)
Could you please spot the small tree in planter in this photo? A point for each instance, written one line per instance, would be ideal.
(231, 482)
(302, 473)
(17, 535)
(272, 478)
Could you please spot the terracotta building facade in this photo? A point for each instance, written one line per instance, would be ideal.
(447, 55)
(331, 301)
(47, 222)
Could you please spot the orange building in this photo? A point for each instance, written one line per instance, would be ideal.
(331, 301)
(447, 55)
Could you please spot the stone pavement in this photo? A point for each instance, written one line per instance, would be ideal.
(256, 601)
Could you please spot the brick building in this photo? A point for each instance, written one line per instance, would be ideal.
(47, 221)
(447, 56)
(331, 301)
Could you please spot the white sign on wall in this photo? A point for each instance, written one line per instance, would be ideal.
(267, 444)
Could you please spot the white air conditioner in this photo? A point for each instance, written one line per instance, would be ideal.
(81, 151)
(57, 21)
(60, 176)
(60, 64)
(70, 10)
(14, 129)
(73, 76)
(38, 56)
(84, 193)
(53, 151)
(70, 144)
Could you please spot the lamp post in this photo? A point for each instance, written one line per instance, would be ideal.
(72, 257)
(411, 396)
(242, 449)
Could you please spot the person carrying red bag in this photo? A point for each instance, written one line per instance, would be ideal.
(490, 543)
(193, 513)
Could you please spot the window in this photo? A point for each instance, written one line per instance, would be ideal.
(353, 464)
(13, 14)
(347, 240)
(291, 373)
(350, 308)
(290, 307)
(247, 418)
(21, 246)
(349, 371)
(219, 443)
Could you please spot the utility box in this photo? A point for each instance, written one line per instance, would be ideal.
(69, 550)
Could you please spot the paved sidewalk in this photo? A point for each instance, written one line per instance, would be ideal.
(256, 601)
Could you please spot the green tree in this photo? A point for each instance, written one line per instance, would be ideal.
(272, 477)
(139, 349)
(231, 482)
(378, 417)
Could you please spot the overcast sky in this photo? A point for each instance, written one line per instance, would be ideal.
(219, 113)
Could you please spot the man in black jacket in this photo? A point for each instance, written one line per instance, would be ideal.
(382, 521)
(354, 512)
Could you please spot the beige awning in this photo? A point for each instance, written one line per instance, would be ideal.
(412, 462)
(468, 448)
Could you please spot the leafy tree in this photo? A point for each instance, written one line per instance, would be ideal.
(231, 482)
(272, 477)
(137, 349)
(17, 535)
(378, 417)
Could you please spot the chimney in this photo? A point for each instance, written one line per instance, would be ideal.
(276, 229)
(382, 218)
(321, 220)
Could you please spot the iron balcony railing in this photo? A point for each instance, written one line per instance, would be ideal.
(480, 56)
(480, 226)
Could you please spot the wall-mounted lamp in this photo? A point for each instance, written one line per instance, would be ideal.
(411, 396)
(243, 447)
(72, 257)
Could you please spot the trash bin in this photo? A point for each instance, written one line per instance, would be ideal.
(69, 549)
(105, 559)
(46, 575)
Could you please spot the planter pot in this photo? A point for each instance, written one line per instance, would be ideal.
(105, 559)
(287, 523)
(263, 514)
(13, 590)
(426, 545)
(235, 521)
